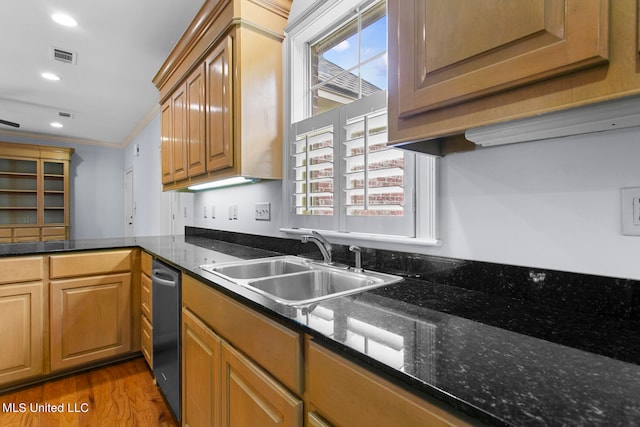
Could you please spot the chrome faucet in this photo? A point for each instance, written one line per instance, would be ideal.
(322, 243)
(358, 253)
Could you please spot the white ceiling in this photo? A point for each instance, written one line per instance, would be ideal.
(120, 46)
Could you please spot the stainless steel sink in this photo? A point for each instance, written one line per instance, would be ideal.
(263, 267)
(296, 281)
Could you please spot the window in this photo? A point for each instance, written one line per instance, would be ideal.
(342, 175)
(349, 63)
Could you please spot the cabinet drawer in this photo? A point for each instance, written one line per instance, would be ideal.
(54, 233)
(5, 233)
(145, 296)
(90, 263)
(348, 395)
(26, 239)
(146, 340)
(273, 346)
(26, 232)
(145, 263)
(21, 269)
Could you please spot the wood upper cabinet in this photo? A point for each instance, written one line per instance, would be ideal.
(196, 135)
(229, 64)
(455, 65)
(22, 319)
(166, 136)
(470, 49)
(180, 127)
(220, 106)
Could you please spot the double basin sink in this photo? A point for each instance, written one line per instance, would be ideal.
(296, 281)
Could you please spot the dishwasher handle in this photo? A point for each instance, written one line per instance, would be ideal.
(156, 272)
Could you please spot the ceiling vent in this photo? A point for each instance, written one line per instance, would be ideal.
(63, 114)
(66, 56)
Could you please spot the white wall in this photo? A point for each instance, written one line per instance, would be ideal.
(245, 197)
(550, 204)
(153, 207)
(97, 180)
(147, 185)
(96, 189)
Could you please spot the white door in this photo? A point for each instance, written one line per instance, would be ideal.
(129, 204)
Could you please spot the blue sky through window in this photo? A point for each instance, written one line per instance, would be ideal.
(374, 42)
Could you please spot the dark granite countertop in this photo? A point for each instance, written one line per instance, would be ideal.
(486, 356)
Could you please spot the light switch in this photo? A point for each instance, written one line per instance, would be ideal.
(263, 211)
(631, 211)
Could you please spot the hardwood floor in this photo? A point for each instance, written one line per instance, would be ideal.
(122, 394)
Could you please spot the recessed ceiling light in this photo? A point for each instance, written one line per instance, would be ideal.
(56, 125)
(50, 76)
(64, 19)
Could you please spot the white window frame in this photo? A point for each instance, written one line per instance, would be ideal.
(301, 31)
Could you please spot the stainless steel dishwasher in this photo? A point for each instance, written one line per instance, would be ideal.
(166, 294)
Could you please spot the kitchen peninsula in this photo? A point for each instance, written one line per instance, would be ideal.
(439, 340)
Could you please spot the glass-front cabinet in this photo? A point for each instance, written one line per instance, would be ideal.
(34, 192)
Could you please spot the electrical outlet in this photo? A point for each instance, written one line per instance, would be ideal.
(631, 211)
(233, 212)
(263, 211)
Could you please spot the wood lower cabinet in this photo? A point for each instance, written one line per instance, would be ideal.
(90, 306)
(90, 319)
(21, 319)
(65, 311)
(340, 393)
(251, 397)
(223, 384)
(146, 318)
(315, 420)
(200, 373)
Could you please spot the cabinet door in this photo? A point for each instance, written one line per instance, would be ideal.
(469, 49)
(220, 106)
(348, 395)
(21, 334)
(90, 319)
(146, 298)
(315, 420)
(166, 133)
(196, 121)
(200, 373)
(146, 340)
(179, 152)
(251, 397)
